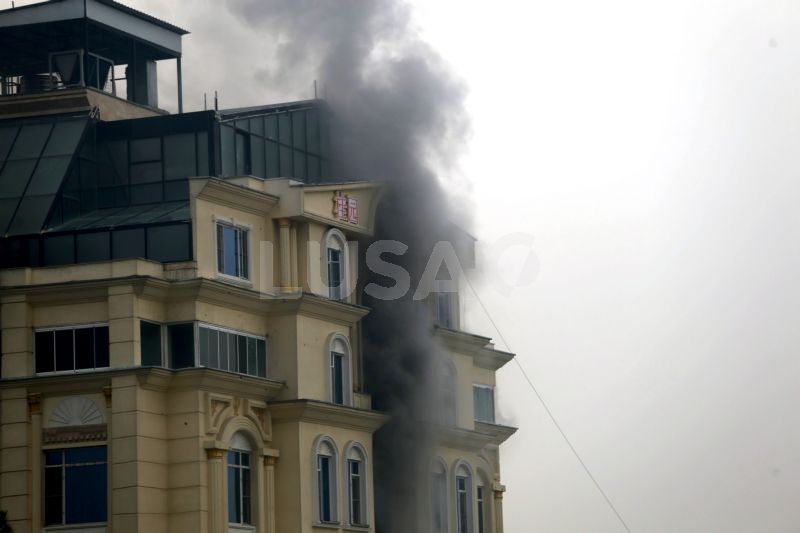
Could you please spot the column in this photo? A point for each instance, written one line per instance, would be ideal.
(35, 408)
(286, 254)
(498, 510)
(269, 492)
(217, 495)
(122, 327)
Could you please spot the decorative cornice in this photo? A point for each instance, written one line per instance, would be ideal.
(326, 413)
(74, 434)
(473, 440)
(229, 194)
(499, 433)
(460, 341)
(492, 359)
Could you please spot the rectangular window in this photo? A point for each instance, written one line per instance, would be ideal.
(324, 482)
(75, 486)
(181, 345)
(444, 309)
(150, 335)
(239, 488)
(337, 378)
(439, 503)
(232, 351)
(232, 251)
(462, 502)
(354, 473)
(335, 273)
(71, 349)
(483, 399)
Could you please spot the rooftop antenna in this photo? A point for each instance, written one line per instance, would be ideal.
(216, 101)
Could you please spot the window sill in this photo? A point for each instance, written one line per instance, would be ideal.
(355, 527)
(71, 372)
(92, 526)
(227, 278)
(327, 525)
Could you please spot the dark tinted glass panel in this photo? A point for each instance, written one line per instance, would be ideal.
(84, 348)
(233, 358)
(313, 170)
(30, 141)
(299, 130)
(213, 348)
(223, 350)
(31, 215)
(271, 123)
(48, 175)
(176, 190)
(179, 156)
(7, 207)
(242, 153)
(7, 135)
(128, 243)
(234, 496)
(146, 194)
(261, 345)
(45, 361)
(202, 349)
(85, 494)
(228, 154)
(257, 126)
(53, 496)
(101, 348)
(145, 172)
(65, 137)
(227, 244)
(54, 457)
(285, 128)
(299, 165)
(273, 167)
(313, 132)
(59, 250)
(14, 177)
(181, 345)
(151, 343)
(169, 243)
(257, 156)
(145, 149)
(118, 154)
(65, 350)
(92, 454)
(242, 350)
(202, 154)
(246, 498)
(93, 246)
(252, 357)
(286, 162)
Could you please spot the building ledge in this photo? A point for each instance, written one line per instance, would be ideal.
(68, 101)
(326, 413)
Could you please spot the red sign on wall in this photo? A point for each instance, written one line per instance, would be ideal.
(345, 207)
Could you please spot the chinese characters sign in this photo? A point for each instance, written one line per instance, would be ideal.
(345, 207)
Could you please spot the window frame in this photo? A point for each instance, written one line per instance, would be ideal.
(241, 263)
(355, 448)
(62, 467)
(333, 481)
(448, 412)
(491, 389)
(468, 496)
(441, 497)
(450, 321)
(74, 370)
(335, 235)
(347, 369)
(241, 468)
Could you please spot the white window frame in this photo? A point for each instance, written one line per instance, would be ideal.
(247, 230)
(334, 235)
(347, 369)
(494, 401)
(241, 444)
(464, 466)
(74, 370)
(482, 508)
(355, 448)
(452, 308)
(199, 324)
(333, 481)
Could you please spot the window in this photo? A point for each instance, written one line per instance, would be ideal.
(357, 485)
(482, 510)
(232, 251)
(326, 480)
(231, 351)
(483, 399)
(181, 345)
(75, 486)
(240, 482)
(336, 264)
(339, 349)
(439, 496)
(150, 336)
(463, 508)
(445, 305)
(71, 349)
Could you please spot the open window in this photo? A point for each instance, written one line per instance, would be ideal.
(233, 250)
(336, 264)
(340, 356)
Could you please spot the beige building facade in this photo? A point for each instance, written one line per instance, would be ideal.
(184, 353)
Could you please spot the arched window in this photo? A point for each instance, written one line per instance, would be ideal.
(356, 468)
(439, 496)
(240, 481)
(340, 356)
(325, 457)
(482, 493)
(447, 401)
(336, 255)
(463, 498)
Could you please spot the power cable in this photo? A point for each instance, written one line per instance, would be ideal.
(548, 411)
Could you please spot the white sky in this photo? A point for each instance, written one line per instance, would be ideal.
(650, 148)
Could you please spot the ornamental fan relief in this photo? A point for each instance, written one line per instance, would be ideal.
(76, 411)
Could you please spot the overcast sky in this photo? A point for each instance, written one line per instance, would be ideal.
(651, 151)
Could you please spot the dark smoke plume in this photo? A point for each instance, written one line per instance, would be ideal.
(398, 117)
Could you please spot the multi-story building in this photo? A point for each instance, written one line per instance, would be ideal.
(180, 306)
